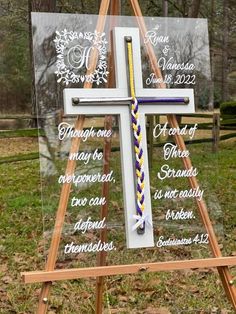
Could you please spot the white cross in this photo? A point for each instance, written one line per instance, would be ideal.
(134, 240)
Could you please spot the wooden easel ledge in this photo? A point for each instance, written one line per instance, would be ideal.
(66, 274)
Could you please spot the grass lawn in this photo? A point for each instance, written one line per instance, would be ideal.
(22, 245)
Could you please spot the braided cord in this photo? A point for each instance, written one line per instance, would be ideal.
(139, 162)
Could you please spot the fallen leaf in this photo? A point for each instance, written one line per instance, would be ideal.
(6, 279)
(114, 311)
(154, 282)
(161, 310)
(193, 289)
(3, 268)
(85, 295)
(123, 298)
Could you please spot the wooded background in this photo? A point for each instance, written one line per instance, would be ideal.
(16, 72)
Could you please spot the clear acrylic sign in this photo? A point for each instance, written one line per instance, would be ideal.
(63, 47)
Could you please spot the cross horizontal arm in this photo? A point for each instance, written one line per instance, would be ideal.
(76, 101)
(180, 106)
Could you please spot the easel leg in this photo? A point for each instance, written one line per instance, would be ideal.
(223, 271)
(60, 217)
(65, 192)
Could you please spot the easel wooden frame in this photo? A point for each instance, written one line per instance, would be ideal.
(50, 274)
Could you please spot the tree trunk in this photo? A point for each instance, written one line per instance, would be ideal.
(225, 87)
(192, 12)
(194, 9)
(33, 93)
(165, 7)
(211, 36)
(43, 6)
(36, 6)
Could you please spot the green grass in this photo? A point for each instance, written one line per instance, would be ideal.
(22, 245)
(19, 157)
(19, 133)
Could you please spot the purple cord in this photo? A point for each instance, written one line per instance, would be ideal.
(164, 100)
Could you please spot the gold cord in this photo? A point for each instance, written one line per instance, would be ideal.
(131, 69)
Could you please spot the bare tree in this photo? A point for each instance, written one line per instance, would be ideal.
(211, 35)
(43, 6)
(36, 6)
(165, 7)
(225, 59)
(192, 11)
(194, 8)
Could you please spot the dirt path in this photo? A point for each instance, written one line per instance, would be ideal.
(18, 145)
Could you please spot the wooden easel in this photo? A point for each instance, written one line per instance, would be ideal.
(50, 274)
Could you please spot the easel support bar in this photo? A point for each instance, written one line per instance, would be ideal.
(67, 274)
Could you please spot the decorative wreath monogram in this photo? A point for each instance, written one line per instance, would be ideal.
(73, 57)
